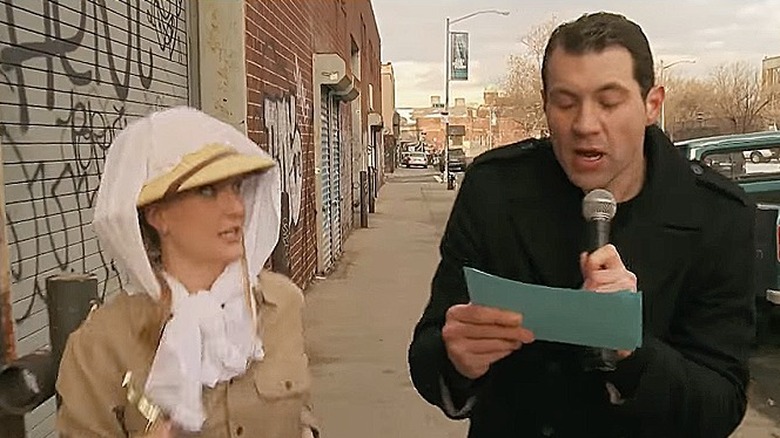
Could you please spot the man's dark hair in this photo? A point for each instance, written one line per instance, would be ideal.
(598, 31)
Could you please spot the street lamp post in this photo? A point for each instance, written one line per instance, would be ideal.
(663, 83)
(447, 62)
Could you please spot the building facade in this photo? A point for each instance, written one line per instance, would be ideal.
(391, 132)
(302, 78)
(474, 127)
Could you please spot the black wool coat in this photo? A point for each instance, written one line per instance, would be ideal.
(688, 236)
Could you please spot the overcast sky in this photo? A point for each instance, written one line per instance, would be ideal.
(709, 31)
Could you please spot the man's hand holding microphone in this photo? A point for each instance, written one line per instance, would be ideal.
(476, 336)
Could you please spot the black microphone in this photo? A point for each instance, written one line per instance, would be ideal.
(598, 208)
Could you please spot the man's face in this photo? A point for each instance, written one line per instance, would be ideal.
(597, 119)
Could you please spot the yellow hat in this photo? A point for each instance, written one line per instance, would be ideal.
(210, 164)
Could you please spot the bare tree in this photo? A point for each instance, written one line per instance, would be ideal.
(687, 104)
(523, 84)
(738, 95)
(523, 100)
(536, 38)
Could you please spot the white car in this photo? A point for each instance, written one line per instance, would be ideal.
(759, 155)
(417, 159)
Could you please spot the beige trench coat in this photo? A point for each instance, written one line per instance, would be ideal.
(270, 401)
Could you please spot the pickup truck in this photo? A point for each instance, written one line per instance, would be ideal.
(735, 157)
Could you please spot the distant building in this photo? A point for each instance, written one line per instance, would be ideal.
(770, 79)
(770, 72)
(391, 131)
(474, 127)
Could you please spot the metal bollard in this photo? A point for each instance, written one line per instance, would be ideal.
(371, 190)
(27, 382)
(12, 426)
(364, 199)
(70, 298)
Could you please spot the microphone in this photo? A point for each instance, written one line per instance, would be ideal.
(598, 208)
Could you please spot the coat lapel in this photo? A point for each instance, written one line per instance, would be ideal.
(549, 226)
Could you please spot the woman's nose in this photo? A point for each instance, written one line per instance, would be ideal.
(232, 201)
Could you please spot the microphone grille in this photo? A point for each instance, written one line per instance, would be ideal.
(599, 204)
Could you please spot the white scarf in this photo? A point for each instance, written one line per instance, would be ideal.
(211, 338)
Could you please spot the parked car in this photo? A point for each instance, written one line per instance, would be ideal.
(761, 181)
(404, 158)
(457, 160)
(760, 155)
(417, 159)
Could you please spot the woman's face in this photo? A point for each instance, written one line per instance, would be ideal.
(202, 227)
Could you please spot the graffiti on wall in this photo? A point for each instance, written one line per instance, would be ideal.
(283, 119)
(66, 91)
(165, 18)
(284, 144)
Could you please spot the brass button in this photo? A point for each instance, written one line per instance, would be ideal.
(239, 430)
(288, 384)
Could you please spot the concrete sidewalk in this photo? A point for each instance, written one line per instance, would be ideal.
(359, 321)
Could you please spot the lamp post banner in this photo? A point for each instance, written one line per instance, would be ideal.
(459, 56)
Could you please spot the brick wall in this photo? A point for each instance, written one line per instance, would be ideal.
(281, 39)
(279, 119)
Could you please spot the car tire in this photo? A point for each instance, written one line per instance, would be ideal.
(756, 157)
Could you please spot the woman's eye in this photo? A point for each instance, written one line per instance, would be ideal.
(237, 185)
(207, 190)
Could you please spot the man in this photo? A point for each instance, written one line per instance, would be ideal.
(682, 235)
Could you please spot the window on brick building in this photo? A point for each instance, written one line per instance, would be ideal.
(355, 59)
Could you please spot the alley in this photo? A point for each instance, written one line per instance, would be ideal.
(359, 320)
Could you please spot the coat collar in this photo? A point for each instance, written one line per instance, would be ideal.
(671, 183)
(549, 214)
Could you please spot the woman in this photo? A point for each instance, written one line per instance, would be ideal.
(188, 208)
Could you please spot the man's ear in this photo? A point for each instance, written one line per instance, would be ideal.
(653, 101)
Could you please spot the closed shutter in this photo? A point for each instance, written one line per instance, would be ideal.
(72, 75)
(325, 177)
(335, 147)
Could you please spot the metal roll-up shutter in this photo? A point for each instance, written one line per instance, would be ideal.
(325, 177)
(72, 75)
(335, 147)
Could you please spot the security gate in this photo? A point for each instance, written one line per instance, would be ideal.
(330, 176)
(325, 177)
(72, 75)
(336, 195)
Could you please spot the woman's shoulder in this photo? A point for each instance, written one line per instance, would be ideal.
(121, 318)
(278, 287)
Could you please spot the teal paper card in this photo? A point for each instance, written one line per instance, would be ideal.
(573, 316)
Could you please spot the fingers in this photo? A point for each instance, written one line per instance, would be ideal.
(606, 257)
(603, 271)
(611, 281)
(476, 336)
(475, 314)
(454, 329)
